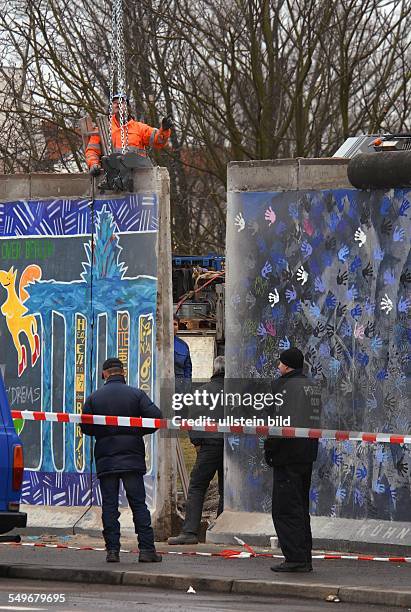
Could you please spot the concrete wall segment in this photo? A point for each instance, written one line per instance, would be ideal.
(167, 468)
(14, 187)
(42, 185)
(287, 174)
(322, 173)
(272, 238)
(151, 188)
(46, 185)
(264, 175)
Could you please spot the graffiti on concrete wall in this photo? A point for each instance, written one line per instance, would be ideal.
(76, 285)
(330, 272)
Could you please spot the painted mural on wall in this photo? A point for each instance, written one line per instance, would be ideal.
(330, 272)
(65, 307)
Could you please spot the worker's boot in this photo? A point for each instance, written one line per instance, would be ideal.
(183, 538)
(288, 566)
(113, 556)
(149, 556)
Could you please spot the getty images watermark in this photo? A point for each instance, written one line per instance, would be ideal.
(206, 402)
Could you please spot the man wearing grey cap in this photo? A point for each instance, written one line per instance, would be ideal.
(120, 455)
(292, 462)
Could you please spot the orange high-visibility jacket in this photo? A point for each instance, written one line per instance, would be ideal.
(140, 136)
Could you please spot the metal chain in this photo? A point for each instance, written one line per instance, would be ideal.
(118, 69)
(121, 75)
(112, 73)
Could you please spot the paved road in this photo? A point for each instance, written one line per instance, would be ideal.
(85, 597)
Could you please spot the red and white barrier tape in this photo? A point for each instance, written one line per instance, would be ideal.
(284, 432)
(226, 554)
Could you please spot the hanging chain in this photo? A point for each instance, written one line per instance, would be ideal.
(118, 69)
(112, 73)
(121, 76)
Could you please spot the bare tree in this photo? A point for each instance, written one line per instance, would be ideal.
(244, 79)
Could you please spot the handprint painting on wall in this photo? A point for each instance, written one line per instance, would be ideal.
(336, 282)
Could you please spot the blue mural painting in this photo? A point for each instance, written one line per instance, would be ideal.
(78, 282)
(330, 272)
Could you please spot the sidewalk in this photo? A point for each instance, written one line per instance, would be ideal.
(367, 582)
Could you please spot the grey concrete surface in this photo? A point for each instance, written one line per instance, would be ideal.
(362, 582)
(42, 185)
(60, 520)
(367, 535)
(287, 174)
(52, 185)
(166, 495)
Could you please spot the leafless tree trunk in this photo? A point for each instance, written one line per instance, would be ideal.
(244, 79)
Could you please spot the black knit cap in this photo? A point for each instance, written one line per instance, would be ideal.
(293, 358)
(113, 363)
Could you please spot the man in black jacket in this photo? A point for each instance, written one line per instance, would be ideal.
(292, 462)
(210, 452)
(120, 455)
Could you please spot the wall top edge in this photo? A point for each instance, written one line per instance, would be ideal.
(46, 185)
(56, 176)
(263, 163)
(65, 175)
(288, 174)
(292, 161)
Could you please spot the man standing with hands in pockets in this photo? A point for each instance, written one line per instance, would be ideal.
(120, 455)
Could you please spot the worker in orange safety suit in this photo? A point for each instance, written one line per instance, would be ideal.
(140, 135)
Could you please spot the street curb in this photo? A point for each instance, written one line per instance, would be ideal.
(60, 574)
(348, 594)
(178, 582)
(371, 595)
(284, 589)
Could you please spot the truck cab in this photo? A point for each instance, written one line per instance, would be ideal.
(11, 469)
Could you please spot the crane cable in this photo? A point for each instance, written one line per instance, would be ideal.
(118, 77)
(118, 73)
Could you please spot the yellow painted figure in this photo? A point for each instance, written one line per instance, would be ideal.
(15, 312)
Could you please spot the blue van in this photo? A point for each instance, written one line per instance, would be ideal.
(11, 470)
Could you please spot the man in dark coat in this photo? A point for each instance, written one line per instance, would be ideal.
(292, 462)
(210, 452)
(120, 455)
